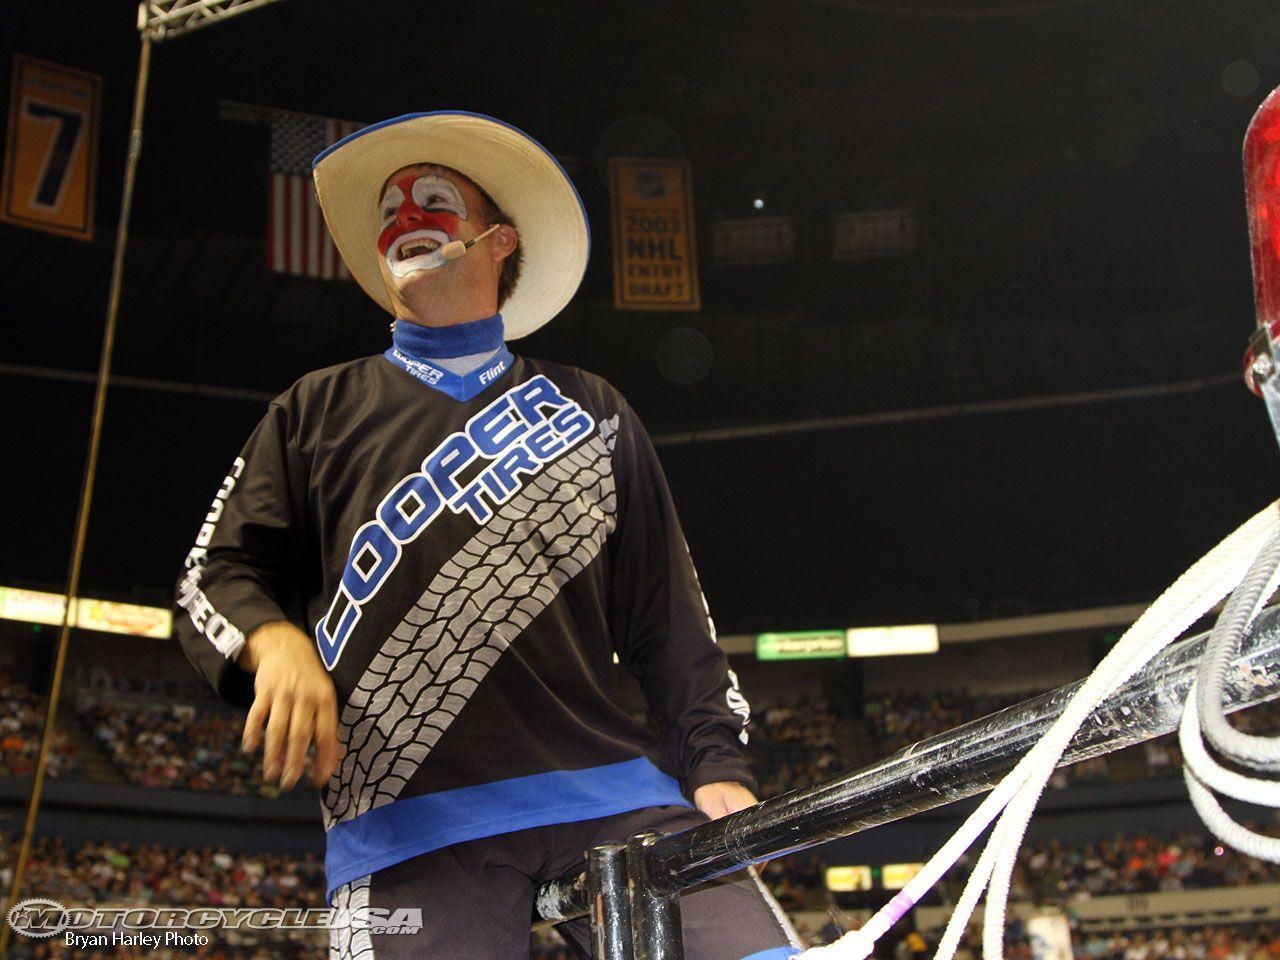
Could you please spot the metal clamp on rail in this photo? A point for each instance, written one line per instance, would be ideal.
(1261, 366)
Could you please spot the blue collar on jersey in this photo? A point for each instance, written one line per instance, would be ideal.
(414, 347)
(443, 343)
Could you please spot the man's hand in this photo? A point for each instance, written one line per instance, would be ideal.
(718, 800)
(294, 696)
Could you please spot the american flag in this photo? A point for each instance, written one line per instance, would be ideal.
(297, 240)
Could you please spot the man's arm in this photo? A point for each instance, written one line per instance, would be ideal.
(664, 634)
(239, 577)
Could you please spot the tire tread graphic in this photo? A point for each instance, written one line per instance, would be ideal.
(346, 942)
(484, 597)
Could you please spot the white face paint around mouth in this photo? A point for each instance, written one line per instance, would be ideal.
(415, 251)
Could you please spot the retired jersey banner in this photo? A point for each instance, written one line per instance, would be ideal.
(655, 263)
(51, 153)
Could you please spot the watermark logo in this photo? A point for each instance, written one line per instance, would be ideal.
(38, 917)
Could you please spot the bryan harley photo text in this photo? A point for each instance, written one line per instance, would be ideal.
(118, 938)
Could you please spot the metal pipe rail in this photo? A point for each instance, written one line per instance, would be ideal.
(951, 766)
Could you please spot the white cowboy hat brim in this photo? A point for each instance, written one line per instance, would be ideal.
(521, 176)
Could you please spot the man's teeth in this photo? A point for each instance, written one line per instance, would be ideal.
(416, 248)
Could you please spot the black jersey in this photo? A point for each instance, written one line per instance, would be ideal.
(468, 567)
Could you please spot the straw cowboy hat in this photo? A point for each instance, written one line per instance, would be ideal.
(519, 173)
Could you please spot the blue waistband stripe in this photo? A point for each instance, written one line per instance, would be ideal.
(388, 835)
(775, 953)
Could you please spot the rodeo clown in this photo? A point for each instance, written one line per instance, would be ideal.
(469, 537)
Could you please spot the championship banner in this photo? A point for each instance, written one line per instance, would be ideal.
(655, 263)
(51, 153)
(754, 240)
(873, 233)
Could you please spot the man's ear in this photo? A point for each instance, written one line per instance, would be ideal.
(503, 242)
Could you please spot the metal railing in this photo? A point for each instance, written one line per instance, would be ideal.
(631, 891)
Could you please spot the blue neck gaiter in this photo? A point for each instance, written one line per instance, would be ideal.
(443, 343)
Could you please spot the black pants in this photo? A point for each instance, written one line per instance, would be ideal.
(476, 898)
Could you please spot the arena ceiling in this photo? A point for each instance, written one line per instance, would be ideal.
(1036, 409)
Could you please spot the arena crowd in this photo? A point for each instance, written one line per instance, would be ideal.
(156, 875)
(20, 725)
(196, 745)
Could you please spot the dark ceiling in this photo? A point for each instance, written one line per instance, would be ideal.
(1060, 345)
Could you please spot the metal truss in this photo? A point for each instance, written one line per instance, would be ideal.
(167, 19)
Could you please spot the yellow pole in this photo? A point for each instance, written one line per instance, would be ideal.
(90, 472)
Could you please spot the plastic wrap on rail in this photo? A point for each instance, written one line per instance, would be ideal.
(964, 761)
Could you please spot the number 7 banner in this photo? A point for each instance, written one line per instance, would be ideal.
(51, 153)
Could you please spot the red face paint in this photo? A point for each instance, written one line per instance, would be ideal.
(411, 217)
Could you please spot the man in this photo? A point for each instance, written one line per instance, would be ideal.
(470, 536)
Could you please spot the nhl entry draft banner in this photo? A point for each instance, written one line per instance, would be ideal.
(655, 263)
(51, 153)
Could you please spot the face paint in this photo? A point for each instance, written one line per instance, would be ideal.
(419, 215)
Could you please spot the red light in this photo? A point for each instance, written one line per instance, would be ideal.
(1262, 198)
(1262, 201)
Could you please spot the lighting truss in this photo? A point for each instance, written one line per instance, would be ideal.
(166, 19)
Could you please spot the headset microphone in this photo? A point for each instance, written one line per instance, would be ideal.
(456, 248)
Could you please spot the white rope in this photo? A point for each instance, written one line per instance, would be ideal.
(1210, 773)
(1227, 830)
(1190, 597)
(1202, 773)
